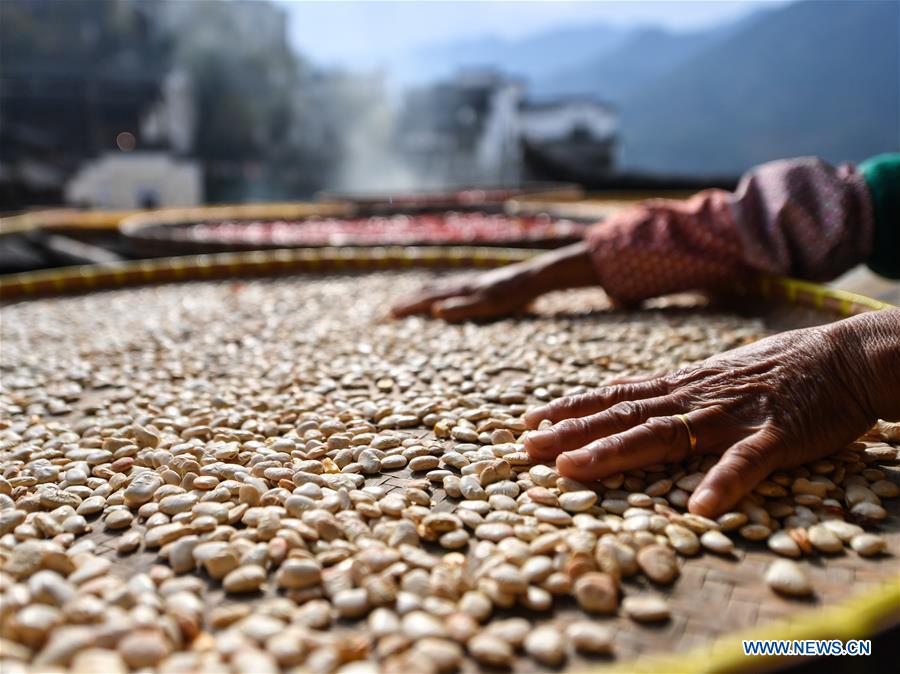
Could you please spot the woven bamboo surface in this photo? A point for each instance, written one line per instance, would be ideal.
(714, 600)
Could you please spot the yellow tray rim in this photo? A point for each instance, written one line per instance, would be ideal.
(299, 260)
(74, 219)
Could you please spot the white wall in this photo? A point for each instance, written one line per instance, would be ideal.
(556, 122)
(125, 181)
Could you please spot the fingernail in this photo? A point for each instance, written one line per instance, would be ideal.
(539, 439)
(578, 457)
(705, 499)
(533, 416)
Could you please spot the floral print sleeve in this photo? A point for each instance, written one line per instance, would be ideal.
(797, 217)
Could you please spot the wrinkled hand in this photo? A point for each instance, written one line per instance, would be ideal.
(777, 403)
(503, 291)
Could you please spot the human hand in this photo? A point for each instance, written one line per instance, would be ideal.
(497, 292)
(503, 291)
(777, 403)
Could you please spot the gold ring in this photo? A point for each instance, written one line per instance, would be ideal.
(690, 429)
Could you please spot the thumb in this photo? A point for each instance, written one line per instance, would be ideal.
(425, 300)
(741, 468)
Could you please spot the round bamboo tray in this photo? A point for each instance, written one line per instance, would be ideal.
(715, 604)
(184, 233)
(149, 232)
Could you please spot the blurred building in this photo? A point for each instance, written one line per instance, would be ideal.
(209, 81)
(480, 127)
(571, 139)
(258, 26)
(74, 76)
(463, 130)
(172, 120)
(136, 180)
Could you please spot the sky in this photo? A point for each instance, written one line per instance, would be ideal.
(368, 33)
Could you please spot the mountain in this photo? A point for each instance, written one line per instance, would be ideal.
(809, 78)
(533, 57)
(812, 77)
(644, 55)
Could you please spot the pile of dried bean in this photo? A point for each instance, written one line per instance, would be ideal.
(246, 434)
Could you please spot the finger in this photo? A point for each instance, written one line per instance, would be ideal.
(577, 432)
(637, 378)
(659, 440)
(472, 307)
(592, 402)
(422, 302)
(741, 468)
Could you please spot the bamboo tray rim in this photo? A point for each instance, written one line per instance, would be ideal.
(63, 219)
(337, 259)
(135, 224)
(113, 219)
(856, 617)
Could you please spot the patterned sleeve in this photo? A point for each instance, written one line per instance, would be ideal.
(798, 217)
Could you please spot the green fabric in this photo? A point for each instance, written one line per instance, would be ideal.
(882, 175)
